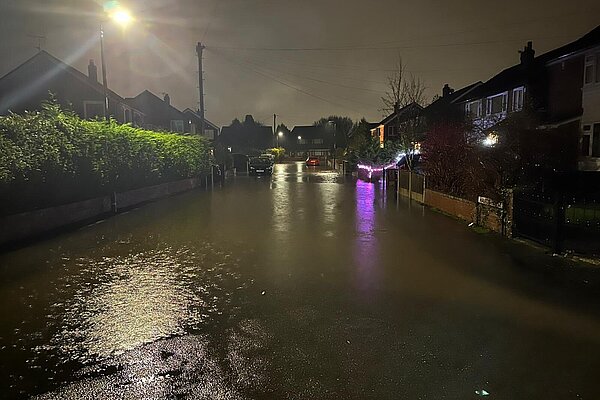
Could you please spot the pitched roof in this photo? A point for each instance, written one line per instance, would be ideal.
(66, 67)
(195, 115)
(520, 74)
(405, 112)
(311, 132)
(587, 41)
(150, 96)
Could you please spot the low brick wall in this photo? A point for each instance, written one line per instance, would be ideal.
(455, 206)
(28, 225)
(33, 223)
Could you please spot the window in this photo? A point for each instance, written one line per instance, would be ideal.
(301, 141)
(596, 141)
(317, 141)
(138, 119)
(93, 109)
(590, 69)
(473, 109)
(127, 115)
(496, 104)
(585, 145)
(517, 99)
(391, 131)
(177, 125)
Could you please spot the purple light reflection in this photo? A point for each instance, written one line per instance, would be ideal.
(366, 252)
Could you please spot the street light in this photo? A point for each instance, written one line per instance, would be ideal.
(121, 17)
(280, 134)
(334, 141)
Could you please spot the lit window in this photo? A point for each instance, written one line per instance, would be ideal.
(473, 109)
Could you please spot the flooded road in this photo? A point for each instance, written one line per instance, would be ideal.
(303, 285)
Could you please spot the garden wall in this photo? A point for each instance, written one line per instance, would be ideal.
(32, 224)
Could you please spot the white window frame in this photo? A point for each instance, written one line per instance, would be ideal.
(175, 125)
(490, 100)
(590, 61)
(86, 103)
(469, 107)
(518, 98)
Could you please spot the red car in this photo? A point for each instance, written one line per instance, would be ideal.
(313, 162)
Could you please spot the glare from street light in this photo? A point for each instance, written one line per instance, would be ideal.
(280, 134)
(299, 137)
(122, 17)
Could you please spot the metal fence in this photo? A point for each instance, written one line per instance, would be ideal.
(561, 213)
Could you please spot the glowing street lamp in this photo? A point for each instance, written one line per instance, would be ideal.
(121, 17)
(280, 134)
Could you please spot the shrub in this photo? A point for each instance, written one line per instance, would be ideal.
(53, 157)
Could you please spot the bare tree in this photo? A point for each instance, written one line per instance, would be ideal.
(402, 90)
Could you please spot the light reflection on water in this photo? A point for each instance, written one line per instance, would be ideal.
(122, 302)
(366, 249)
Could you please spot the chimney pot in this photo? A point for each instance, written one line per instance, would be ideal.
(167, 99)
(92, 71)
(447, 90)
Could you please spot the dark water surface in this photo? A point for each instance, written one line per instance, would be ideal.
(305, 285)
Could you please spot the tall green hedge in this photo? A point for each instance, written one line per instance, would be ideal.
(53, 157)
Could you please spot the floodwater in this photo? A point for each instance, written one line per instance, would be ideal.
(303, 285)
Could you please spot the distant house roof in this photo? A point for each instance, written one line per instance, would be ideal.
(197, 119)
(403, 114)
(147, 95)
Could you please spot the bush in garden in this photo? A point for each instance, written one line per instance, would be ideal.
(54, 157)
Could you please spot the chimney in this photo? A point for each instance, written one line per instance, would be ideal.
(396, 108)
(527, 54)
(167, 99)
(92, 72)
(447, 90)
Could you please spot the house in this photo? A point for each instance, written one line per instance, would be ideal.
(160, 114)
(211, 131)
(561, 87)
(444, 107)
(388, 128)
(246, 137)
(309, 140)
(42, 76)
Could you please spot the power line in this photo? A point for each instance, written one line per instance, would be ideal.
(352, 48)
(268, 76)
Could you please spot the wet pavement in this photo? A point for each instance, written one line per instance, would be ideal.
(303, 285)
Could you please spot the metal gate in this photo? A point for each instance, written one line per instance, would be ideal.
(536, 216)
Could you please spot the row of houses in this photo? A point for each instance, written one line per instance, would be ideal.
(562, 87)
(37, 79)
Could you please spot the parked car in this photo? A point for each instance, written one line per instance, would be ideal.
(260, 166)
(313, 162)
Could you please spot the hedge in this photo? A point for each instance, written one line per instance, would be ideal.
(53, 157)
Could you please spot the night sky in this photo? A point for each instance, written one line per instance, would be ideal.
(300, 59)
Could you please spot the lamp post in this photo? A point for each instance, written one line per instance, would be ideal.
(121, 17)
(334, 142)
(280, 134)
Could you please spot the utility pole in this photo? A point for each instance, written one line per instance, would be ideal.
(104, 80)
(274, 128)
(199, 49)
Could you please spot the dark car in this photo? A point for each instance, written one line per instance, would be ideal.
(313, 162)
(260, 166)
